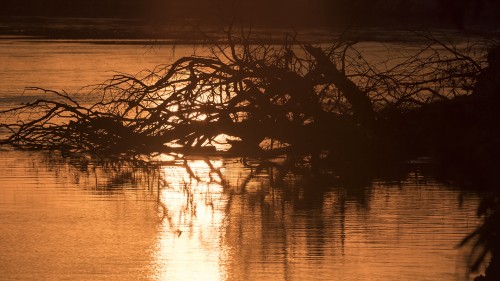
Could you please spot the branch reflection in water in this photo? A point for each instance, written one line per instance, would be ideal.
(218, 219)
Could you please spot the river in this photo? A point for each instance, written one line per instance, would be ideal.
(76, 219)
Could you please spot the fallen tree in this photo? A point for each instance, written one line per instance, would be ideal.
(262, 100)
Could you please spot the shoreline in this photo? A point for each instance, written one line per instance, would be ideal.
(136, 31)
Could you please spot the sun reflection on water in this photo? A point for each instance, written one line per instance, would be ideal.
(189, 243)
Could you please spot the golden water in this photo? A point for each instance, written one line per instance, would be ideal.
(64, 219)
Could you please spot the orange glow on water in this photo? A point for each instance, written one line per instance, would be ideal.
(210, 228)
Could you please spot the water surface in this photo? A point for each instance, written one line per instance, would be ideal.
(73, 219)
(61, 220)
